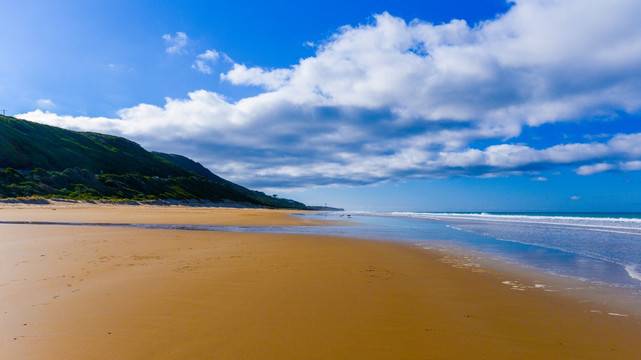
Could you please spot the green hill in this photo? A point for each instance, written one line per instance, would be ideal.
(197, 168)
(190, 165)
(47, 161)
(27, 145)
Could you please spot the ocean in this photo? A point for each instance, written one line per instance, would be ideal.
(598, 247)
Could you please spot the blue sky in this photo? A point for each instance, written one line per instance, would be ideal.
(380, 105)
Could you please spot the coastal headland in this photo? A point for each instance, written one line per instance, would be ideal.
(109, 292)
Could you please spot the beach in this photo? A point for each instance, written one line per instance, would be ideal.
(109, 292)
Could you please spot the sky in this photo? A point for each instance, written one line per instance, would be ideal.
(479, 105)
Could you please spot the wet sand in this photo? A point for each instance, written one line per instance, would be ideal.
(125, 293)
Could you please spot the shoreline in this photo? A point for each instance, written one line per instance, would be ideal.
(96, 292)
(615, 300)
(585, 276)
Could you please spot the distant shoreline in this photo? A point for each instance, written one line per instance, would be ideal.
(162, 202)
(167, 202)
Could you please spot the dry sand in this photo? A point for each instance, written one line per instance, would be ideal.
(82, 212)
(74, 292)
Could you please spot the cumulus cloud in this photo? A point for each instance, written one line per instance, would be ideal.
(270, 79)
(175, 44)
(100, 124)
(533, 65)
(394, 99)
(628, 144)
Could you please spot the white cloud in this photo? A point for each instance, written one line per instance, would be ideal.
(176, 44)
(391, 100)
(510, 156)
(568, 153)
(631, 165)
(100, 124)
(206, 60)
(533, 65)
(45, 103)
(540, 178)
(594, 169)
(210, 55)
(241, 75)
(507, 156)
(201, 66)
(628, 144)
(575, 198)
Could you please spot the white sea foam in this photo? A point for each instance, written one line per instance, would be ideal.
(633, 271)
(610, 224)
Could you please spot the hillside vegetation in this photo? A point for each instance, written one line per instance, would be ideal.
(47, 161)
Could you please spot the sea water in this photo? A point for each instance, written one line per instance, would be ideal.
(599, 247)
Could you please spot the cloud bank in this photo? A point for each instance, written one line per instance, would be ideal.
(395, 99)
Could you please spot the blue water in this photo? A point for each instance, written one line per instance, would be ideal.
(601, 247)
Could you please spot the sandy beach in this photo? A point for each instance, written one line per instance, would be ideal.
(91, 292)
(81, 212)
